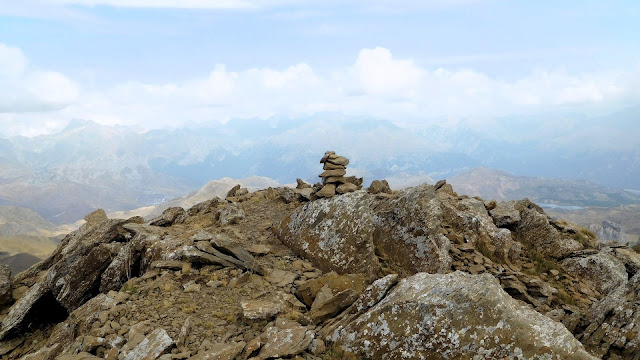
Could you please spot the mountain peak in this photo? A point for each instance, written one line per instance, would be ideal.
(76, 124)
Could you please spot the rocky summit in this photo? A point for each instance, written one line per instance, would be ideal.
(419, 273)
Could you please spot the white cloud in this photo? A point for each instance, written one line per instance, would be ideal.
(25, 89)
(376, 84)
(378, 73)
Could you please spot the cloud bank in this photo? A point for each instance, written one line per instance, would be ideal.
(376, 84)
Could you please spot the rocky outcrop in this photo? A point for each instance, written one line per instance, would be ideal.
(363, 233)
(535, 229)
(609, 231)
(420, 272)
(602, 270)
(379, 186)
(73, 275)
(455, 315)
(169, 217)
(610, 326)
(237, 193)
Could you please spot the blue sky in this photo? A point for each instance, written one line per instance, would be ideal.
(167, 63)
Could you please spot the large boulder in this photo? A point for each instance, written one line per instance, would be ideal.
(602, 270)
(532, 227)
(455, 316)
(336, 234)
(72, 275)
(363, 233)
(611, 325)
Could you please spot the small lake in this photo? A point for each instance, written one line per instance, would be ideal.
(561, 207)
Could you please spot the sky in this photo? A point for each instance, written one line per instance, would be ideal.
(171, 63)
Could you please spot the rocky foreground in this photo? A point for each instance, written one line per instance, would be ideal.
(420, 273)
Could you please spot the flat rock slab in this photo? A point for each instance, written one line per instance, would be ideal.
(287, 338)
(260, 309)
(281, 277)
(458, 316)
(155, 344)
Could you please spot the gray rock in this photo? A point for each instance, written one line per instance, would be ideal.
(505, 215)
(456, 315)
(168, 217)
(327, 155)
(324, 308)
(45, 353)
(233, 191)
(337, 160)
(346, 188)
(287, 338)
(167, 264)
(337, 172)
(221, 351)
(155, 344)
(608, 230)
(329, 166)
(281, 278)
(439, 184)
(535, 229)
(184, 333)
(371, 296)
(305, 194)
(260, 309)
(340, 234)
(230, 214)
(327, 191)
(379, 186)
(301, 184)
(602, 270)
(96, 218)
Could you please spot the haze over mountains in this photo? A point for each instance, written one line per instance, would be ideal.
(65, 175)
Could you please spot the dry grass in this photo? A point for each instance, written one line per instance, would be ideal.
(335, 353)
(585, 237)
(541, 263)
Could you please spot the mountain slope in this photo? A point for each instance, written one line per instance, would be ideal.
(501, 185)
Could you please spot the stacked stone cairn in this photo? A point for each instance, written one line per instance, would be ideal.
(333, 178)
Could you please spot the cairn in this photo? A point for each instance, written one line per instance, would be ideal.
(334, 180)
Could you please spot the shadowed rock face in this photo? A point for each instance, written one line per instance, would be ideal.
(73, 274)
(5, 284)
(455, 316)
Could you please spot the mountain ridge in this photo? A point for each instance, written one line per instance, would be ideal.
(92, 160)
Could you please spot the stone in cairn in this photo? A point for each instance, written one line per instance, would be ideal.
(333, 177)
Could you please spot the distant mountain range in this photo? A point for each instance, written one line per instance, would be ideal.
(64, 176)
(554, 193)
